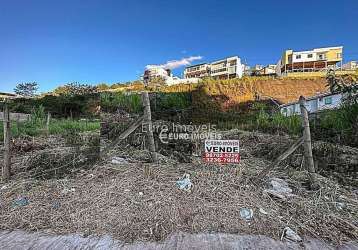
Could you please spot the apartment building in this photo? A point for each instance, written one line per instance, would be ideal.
(352, 65)
(311, 60)
(197, 71)
(268, 70)
(157, 74)
(226, 68)
(154, 73)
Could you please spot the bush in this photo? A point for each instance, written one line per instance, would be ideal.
(130, 102)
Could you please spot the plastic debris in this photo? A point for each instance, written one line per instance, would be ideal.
(56, 204)
(340, 205)
(119, 160)
(185, 183)
(261, 210)
(279, 188)
(291, 235)
(66, 190)
(246, 213)
(20, 202)
(3, 187)
(140, 193)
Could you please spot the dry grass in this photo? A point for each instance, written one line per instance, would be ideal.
(135, 202)
(140, 201)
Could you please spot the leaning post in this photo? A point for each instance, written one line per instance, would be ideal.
(6, 170)
(307, 143)
(48, 123)
(148, 122)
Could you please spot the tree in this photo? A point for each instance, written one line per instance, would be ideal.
(102, 86)
(348, 87)
(27, 89)
(76, 88)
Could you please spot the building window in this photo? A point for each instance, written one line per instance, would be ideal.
(339, 55)
(321, 57)
(309, 55)
(298, 56)
(328, 100)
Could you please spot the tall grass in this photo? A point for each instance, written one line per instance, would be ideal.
(57, 126)
(340, 125)
(35, 126)
(164, 101)
(130, 102)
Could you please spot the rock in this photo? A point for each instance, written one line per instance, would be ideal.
(279, 188)
(291, 235)
(261, 210)
(119, 160)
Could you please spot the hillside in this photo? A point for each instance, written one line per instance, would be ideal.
(234, 93)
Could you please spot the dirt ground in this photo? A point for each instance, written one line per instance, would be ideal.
(138, 201)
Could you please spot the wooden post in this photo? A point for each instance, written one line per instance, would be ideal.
(18, 124)
(4, 121)
(123, 136)
(148, 123)
(279, 159)
(307, 144)
(7, 143)
(48, 123)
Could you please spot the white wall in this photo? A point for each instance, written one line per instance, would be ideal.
(314, 105)
(304, 56)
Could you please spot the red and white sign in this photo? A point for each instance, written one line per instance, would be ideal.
(222, 151)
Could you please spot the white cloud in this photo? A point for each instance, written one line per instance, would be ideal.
(176, 63)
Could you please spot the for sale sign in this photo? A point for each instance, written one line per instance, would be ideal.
(222, 151)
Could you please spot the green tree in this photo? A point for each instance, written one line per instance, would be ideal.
(76, 88)
(27, 89)
(102, 86)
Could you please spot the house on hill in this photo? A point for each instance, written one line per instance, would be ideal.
(226, 68)
(311, 60)
(314, 104)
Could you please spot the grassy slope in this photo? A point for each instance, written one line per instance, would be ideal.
(242, 90)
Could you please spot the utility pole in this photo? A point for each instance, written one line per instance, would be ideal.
(148, 122)
(308, 144)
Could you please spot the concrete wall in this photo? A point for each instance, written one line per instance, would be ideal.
(16, 116)
(314, 105)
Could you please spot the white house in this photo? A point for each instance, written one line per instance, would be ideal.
(157, 72)
(313, 104)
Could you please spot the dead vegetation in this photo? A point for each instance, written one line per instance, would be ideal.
(135, 200)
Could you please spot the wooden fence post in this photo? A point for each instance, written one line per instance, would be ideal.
(148, 122)
(4, 121)
(279, 159)
(48, 123)
(18, 123)
(7, 143)
(307, 144)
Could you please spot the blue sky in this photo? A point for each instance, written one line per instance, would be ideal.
(56, 42)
